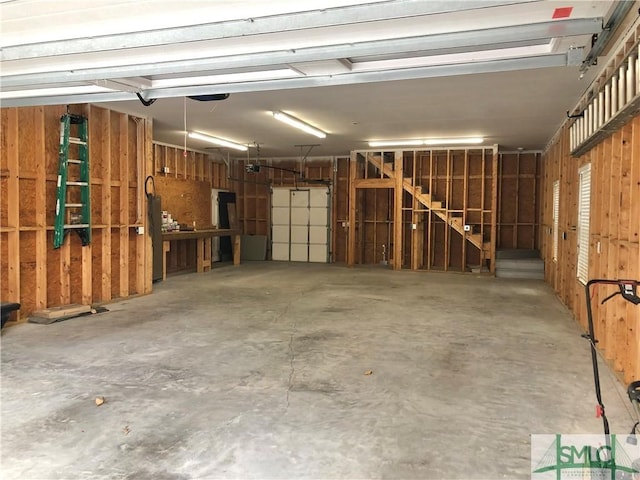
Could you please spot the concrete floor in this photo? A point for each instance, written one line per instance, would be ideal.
(259, 371)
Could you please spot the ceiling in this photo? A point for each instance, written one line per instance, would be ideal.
(506, 70)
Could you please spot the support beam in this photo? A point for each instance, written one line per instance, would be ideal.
(397, 211)
(351, 232)
(13, 202)
(494, 208)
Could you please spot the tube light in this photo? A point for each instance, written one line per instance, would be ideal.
(299, 124)
(428, 142)
(218, 141)
(45, 92)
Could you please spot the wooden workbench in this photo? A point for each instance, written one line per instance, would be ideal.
(203, 249)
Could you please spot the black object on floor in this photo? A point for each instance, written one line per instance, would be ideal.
(6, 308)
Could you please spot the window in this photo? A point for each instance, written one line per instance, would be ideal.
(556, 214)
(584, 204)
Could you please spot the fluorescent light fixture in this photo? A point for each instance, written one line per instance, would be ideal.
(299, 124)
(226, 78)
(428, 142)
(54, 91)
(218, 141)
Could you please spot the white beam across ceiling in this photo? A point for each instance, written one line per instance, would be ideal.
(540, 61)
(440, 43)
(350, 14)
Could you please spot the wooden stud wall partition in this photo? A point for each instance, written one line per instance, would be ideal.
(184, 180)
(614, 236)
(518, 200)
(434, 194)
(253, 190)
(116, 263)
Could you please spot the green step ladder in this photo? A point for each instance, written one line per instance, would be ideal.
(75, 215)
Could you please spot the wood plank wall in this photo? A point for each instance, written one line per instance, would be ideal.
(614, 237)
(115, 264)
(450, 176)
(185, 192)
(253, 190)
(519, 200)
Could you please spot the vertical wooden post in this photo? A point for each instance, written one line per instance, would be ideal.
(123, 156)
(516, 218)
(397, 214)
(351, 232)
(13, 202)
(430, 215)
(483, 206)
(65, 272)
(415, 216)
(447, 226)
(494, 208)
(465, 188)
(144, 269)
(105, 139)
(86, 256)
(40, 206)
(147, 169)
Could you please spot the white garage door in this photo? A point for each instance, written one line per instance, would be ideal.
(300, 224)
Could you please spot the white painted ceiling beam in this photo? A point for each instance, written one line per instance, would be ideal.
(540, 61)
(290, 22)
(441, 43)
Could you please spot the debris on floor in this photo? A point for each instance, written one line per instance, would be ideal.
(64, 312)
(369, 372)
(99, 401)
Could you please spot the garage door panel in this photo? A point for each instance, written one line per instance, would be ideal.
(318, 216)
(280, 234)
(280, 252)
(318, 198)
(300, 198)
(300, 224)
(299, 253)
(299, 216)
(280, 216)
(318, 253)
(318, 235)
(280, 197)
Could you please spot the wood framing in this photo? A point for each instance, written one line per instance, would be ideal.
(438, 213)
(183, 181)
(614, 232)
(113, 265)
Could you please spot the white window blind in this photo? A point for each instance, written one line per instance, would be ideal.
(584, 206)
(556, 214)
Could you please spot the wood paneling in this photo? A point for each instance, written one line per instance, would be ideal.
(614, 234)
(185, 191)
(39, 276)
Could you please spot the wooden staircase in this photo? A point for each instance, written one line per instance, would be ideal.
(438, 207)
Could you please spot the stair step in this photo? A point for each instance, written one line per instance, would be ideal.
(73, 160)
(515, 274)
(528, 264)
(77, 141)
(74, 205)
(78, 184)
(517, 253)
